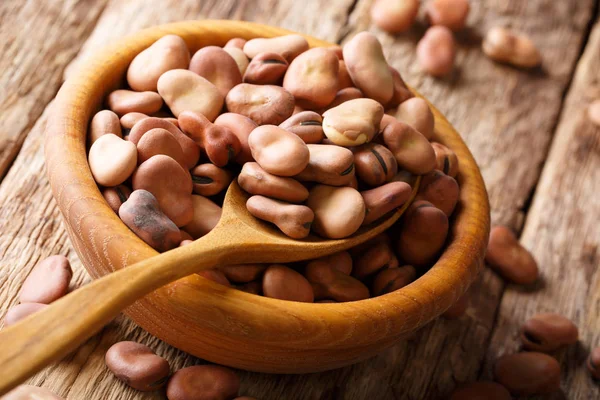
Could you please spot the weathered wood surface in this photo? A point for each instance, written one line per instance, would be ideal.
(506, 116)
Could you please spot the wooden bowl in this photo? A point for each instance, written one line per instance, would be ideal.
(224, 325)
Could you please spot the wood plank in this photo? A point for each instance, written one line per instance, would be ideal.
(562, 232)
(37, 41)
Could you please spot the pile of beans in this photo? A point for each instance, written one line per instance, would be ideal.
(310, 134)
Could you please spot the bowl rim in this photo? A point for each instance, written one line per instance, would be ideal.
(86, 213)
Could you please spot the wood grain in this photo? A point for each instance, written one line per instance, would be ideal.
(563, 233)
(37, 41)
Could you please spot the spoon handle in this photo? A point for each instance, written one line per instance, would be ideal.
(55, 331)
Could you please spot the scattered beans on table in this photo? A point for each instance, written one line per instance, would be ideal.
(395, 16)
(449, 13)
(528, 373)
(547, 332)
(29, 392)
(503, 45)
(137, 366)
(509, 258)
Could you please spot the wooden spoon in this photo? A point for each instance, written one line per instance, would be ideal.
(239, 238)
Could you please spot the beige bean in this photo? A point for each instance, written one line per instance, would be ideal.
(416, 113)
(449, 13)
(446, 160)
(368, 68)
(457, 309)
(412, 151)
(130, 119)
(278, 151)
(330, 283)
(243, 273)
(266, 69)
(239, 57)
(167, 53)
(185, 242)
(29, 392)
(289, 46)
(528, 373)
(185, 90)
(170, 184)
(191, 151)
(339, 211)
(241, 126)
(548, 332)
(112, 160)
(391, 279)
(206, 216)
(375, 164)
(394, 16)
(115, 196)
(509, 258)
(308, 125)
(281, 282)
(503, 45)
(374, 258)
(255, 180)
(264, 104)
(293, 220)
(384, 199)
(126, 101)
(203, 382)
(353, 123)
(328, 164)
(313, 78)
(21, 311)
(48, 281)
(593, 112)
(215, 276)
(137, 365)
(344, 76)
(235, 43)
(218, 67)
(481, 391)
(436, 51)
(104, 122)
(209, 180)
(440, 190)
(401, 91)
(159, 141)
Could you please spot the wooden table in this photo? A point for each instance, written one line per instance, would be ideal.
(538, 154)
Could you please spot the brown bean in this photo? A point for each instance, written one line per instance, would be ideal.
(406, 177)
(401, 91)
(344, 76)
(115, 196)
(186, 236)
(21, 311)
(28, 392)
(374, 258)
(293, 220)
(208, 179)
(368, 68)
(141, 213)
(48, 281)
(593, 363)
(339, 211)
(446, 159)
(423, 233)
(278, 151)
(548, 332)
(203, 382)
(416, 113)
(313, 78)
(264, 104)
(440, 190)
(528, 373)
(281, 282)
(254, 287)
(289, 46)
(239, 57)
(342, 261)
(457, 309)
(384, 199)
(184, 90)
(436, 51)
(266, 69)
(375, 164)
(343, 96)
(170, 184)
(206, 216)
(509, 258)
(191, 151)
(394, 16)
(502, 45)
(216, 276)
(255, 180)
(450, 13)
(330, 283)
(137, 366)
(328, 164)
(308, 125)
(104, 122)
(412, 151)
(593, 112)
(391, 279)
(218, 67)
(159, 141)
(220, 144)
(243, 273)
(237, 43)
(126, 101)
(167, 53)
(353, 123)
(481, 391)
(241, 126)
(112, 160)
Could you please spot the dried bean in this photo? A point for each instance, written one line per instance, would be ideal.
(547, 332)
(293, 220)
(528, 373)
(500, 44)
(449, 13)
(266, 69)
(440, 190)
(330, 165)
(104, 122)
(241, 126)
(218, 67)
(353, 123)
(278, 151)
(20, 311)
(394, 16)
(289, 46)
(236, 43)
(203, 382)
(330, 283)
(384, 199)
(264, 104)
(339, 211)
(126, 101)
(206, 216)
(255, 180)
(159, 141)
(446, 159)
(281, 282)
(308, 125)
(115, 196)
(391, 279)
(416, 113)
(375, 164)
(436, 51)
(374, 258)
(216, 276)
(112, 160)
(509, 258)
(243, 273)
(48, 281)
(137, 366)
(239, 57)
(412, 150)
(28, 392)
(208, 179)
